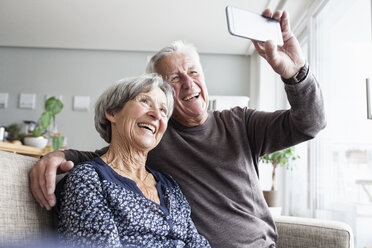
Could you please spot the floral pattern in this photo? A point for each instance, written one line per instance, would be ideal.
(98, 208)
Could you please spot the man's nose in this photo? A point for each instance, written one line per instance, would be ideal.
(187, 81)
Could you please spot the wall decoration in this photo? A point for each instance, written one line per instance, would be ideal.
(3, 100)
(81, 103)
(27, 101)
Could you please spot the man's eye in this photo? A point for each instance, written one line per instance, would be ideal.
(175, 79)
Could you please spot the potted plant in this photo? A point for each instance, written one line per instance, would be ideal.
(13, 131)
(53, 106)
(281, 158)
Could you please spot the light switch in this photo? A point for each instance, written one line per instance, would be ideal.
(3, 100)
(27, 101)
(81, 103)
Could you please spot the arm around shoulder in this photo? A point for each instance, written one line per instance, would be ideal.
(77, 156)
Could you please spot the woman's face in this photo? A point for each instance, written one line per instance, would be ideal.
(142, 121)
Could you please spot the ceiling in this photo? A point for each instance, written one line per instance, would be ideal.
(130, 25)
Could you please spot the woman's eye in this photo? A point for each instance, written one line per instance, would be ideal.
(145, 100)
(193, 72)
(164, 110)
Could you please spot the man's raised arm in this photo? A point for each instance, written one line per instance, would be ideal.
(43, 175)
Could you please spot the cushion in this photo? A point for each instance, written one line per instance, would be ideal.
(21, 218)
(296, 232)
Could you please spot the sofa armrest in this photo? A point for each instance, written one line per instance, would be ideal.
(21, 218)
(306, 232)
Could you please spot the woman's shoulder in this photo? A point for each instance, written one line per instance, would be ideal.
(88, 167)
(82, 172)
(164, 178)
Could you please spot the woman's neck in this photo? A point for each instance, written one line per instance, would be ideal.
(126, 160)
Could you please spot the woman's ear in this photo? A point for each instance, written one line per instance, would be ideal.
(110, 117)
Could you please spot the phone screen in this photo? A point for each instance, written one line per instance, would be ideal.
(253, 26)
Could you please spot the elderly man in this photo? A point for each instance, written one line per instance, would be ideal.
(214, 155)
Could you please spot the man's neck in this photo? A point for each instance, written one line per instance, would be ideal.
(192, 122)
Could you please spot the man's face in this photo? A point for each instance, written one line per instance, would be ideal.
(185, 74)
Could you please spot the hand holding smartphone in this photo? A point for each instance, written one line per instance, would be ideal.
(246, 24)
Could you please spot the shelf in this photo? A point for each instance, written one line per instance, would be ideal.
(24, 150)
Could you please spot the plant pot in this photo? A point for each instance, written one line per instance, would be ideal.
(39, 142)
(272, 198)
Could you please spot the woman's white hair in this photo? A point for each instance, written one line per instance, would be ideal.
(176, 46)
(115, 97)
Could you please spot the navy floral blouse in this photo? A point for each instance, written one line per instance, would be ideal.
(96, 207)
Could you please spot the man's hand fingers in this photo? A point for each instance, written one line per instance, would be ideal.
(277, 15)
(272, 56)
(286, 27)
(65, 166)
(43, 178)
(267, 13)
(50, 179)
(259, 47)
(35, 187)
(43, 183)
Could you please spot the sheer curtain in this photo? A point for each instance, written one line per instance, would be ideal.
(342, 157)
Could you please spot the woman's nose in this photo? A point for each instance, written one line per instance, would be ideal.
(155, 113)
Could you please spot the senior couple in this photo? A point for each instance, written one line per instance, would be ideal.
(127, 195)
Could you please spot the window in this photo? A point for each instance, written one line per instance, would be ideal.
(341, 175)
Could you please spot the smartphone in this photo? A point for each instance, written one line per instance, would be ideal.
(246, 24)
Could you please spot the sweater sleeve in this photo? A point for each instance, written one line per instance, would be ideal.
(83, 156)
(272, 131)
(84, 219)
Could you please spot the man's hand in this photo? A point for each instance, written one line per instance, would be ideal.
(288, 59)
(43, 177)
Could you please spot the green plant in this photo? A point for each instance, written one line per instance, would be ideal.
(13, 131)
(281, 158)
(53, 106)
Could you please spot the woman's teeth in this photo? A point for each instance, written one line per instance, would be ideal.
(148, 126)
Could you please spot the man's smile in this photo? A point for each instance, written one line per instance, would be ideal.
(187, 98)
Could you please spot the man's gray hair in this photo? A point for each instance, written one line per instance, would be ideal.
(176, 46)
(115, 97)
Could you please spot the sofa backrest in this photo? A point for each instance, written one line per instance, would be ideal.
(21, 218)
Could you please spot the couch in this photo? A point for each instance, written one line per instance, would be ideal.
(23, 220)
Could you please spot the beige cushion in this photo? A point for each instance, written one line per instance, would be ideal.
(21, 218)
(296, 232)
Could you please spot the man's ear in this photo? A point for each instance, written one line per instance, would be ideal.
(110, 117)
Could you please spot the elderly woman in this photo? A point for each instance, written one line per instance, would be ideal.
(117, 200)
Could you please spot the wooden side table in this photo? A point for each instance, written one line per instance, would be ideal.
(24, 150)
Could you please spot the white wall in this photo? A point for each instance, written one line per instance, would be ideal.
(69, 72)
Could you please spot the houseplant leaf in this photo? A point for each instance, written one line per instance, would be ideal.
(38, 131)
(45, 119)
(53, 105)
